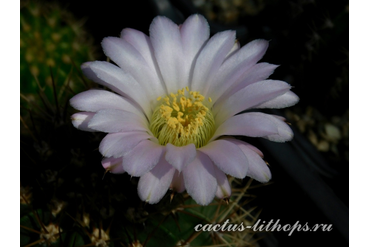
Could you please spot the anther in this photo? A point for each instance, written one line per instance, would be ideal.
(182, 120)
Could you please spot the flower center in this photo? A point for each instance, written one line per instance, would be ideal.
(182, 119)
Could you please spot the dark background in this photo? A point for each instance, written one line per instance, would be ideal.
(309, 40)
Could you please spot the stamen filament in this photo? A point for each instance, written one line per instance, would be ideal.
(183, 120)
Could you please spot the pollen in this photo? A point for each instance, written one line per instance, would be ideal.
(182, 118)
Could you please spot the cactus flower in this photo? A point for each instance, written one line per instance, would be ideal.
(173, 108)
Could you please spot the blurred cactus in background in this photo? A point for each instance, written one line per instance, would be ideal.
(52, 45)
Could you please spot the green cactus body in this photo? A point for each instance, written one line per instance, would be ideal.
(51, 44)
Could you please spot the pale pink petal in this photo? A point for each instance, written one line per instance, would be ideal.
(256, 73)
(119, 144)
(253, 148)
(233, 68)
(81, 120)
(258, 169)
(141, 42)
(95, 100)
(249, 97)
(282, 101)
(253, 124)
(177, 183)
(123, 54)
(199, 178)
(180, 157)
(210, 59)
(284, 134)
(113, 77)
(142, 158)
(154, 184)
(233, 50)
(166, 40)
(131, 61)
(223, 185)
(227, 157)
(194, 33)
(113, 165)
(112, 120)
(108, 75)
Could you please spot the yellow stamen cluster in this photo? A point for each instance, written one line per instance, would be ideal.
(182, 118)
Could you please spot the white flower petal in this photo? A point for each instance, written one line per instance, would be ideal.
(282, 101)
(166, 40)
(194, 34)
(113, 165)
(142, 158)
(123, 54)
(223, 185)
(253, 148)
(177, 183)
(112, 120)
(233, 50)
(258, 168)
(253, 124)
(141, 42)
(233, 67)
(95, 100)
(81, 120)
(154, 184)
(249, 97)
(284, 134)
(119, 144)
(113, 77)
(131, 61)
(210, 59)
(180, 157)
(200, 181)
(227, 157)
(258, 72)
